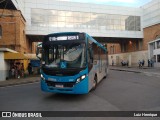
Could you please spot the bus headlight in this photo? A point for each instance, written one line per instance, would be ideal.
(42, 77)
(80, 78)
(83, 76)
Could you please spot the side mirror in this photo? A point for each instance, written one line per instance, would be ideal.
(92, 60)
(95, 62)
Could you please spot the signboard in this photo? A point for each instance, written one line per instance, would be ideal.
(75, 37)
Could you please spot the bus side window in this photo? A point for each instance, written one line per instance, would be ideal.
(91, 55)
(95, 53)
(90, 60)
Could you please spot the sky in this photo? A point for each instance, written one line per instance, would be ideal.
(128, 3)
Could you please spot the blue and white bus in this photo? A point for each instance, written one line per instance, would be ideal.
(72, 63)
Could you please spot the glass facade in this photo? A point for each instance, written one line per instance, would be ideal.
(158, 58)
(0, 31)
(84, 20)
(158, 44)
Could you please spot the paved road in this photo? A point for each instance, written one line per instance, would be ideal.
(124, 91)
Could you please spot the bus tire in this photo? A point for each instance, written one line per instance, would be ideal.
(94, 83)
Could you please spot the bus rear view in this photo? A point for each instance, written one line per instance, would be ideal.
(65, 66)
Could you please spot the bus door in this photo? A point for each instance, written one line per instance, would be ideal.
(90, 57)
(100, 60)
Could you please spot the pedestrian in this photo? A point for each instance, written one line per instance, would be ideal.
(16, 72)
(122, 62)
(143, 62)
(29, 68)
(148, 62)
(12, 72)
(151, 62)
(140, 64)
(22, 70)
(112, 62)
(127, 63)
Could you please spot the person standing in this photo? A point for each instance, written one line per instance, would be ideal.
(140, 64)
(22, 70)
(148, 63)
(122, 62)
(29, 68)
(143, 62)
(112, 62)
(151, 62)
(127, 62)
(13, 72)
(16, 71)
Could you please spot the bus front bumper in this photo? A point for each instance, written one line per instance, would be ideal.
(78, 88)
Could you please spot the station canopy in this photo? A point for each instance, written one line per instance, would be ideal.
(14, 56)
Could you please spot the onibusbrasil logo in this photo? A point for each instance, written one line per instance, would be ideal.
(21, 114)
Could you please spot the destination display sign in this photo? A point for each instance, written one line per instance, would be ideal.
(75, 37)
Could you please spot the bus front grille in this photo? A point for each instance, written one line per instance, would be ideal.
(64, 84)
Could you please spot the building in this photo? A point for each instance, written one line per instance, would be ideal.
(13, 40)
(154, 50)
(126, 30)
(13, 33)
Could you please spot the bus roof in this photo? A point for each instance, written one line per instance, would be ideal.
(65, 33)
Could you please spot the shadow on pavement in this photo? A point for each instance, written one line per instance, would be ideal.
(66, 97)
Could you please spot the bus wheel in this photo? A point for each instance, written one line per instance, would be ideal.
(106, 72)
(94, 83)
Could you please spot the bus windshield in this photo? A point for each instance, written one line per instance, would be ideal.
(65, 56)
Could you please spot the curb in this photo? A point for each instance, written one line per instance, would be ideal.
(125, 70)
(146, 73)
(150, 73)
(13, 83)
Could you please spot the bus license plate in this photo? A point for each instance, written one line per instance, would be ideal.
(59, 86)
